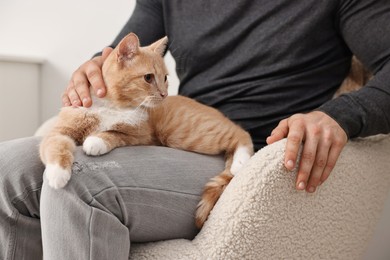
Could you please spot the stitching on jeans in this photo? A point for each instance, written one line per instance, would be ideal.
(27, 192)
(124, 219)
(142, 188)
(144, 204)
(89, 234)
(14, 218)
(12, 242)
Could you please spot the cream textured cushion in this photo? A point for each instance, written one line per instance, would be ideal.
(261, 215)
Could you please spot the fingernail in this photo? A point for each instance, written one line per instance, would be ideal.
(99, 92)
(312, 189)
(67, 104)
(75, 102)
(85, 100)
(301, 186)
(319, 184)
(290, 164)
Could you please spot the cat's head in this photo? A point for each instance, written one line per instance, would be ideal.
(134, 75)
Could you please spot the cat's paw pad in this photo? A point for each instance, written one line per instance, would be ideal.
(57, 176)
(94, 146)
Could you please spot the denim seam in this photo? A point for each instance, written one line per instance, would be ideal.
(12, 227)
(125, 221)
(124, 218)
(89, 234)
(141, 188)
(13, 220)
(26, 193)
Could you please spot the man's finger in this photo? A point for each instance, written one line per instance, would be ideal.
(74, 97)
(308, 156)
(319, 165)
(95, 78)
(334, 153)
(294, 141)
(94, 73)
(65, 100)
(106, 51)
(278, 133)
(81, 86)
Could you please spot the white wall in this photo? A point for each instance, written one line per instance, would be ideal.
(64, 34)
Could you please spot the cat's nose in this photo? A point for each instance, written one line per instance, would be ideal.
(163, 94)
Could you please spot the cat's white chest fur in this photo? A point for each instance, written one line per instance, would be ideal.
(110, 116)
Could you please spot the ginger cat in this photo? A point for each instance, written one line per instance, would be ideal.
(137, 111)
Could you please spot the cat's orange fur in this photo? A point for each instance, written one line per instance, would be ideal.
(137, 111)
(358, 76)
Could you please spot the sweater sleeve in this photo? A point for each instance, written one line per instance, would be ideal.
(146, 22)
(363, 24)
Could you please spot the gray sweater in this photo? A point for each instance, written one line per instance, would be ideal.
(259, 61)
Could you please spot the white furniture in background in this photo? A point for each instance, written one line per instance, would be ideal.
(19, 96)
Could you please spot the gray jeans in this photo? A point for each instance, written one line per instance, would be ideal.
(135, 194)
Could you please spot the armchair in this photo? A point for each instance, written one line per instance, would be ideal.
(261, 215)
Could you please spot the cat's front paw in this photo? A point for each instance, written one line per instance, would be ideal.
(95, 146)
(57, 176)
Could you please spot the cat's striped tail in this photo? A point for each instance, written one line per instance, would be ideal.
(236, 157)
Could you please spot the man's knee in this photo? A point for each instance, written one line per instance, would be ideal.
(20, 168)
(20, 156)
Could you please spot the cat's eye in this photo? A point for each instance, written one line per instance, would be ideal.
(165, 79)
(148, 78)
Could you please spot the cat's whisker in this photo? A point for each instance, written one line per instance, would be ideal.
(144, 107)
(171, 41)
(182, 57)
(179, 69)
(151, 101)
(141, 111)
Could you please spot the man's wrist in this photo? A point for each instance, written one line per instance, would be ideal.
(341, 110)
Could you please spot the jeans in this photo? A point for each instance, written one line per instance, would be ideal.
(133, 194)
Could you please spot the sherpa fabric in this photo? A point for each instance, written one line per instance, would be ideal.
(261, 215)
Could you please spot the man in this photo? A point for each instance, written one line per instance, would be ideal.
(271, 66)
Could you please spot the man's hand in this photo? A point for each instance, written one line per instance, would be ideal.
(89, 74)
(323, 140)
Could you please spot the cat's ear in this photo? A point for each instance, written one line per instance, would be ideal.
(128, 47)
(160, 46)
